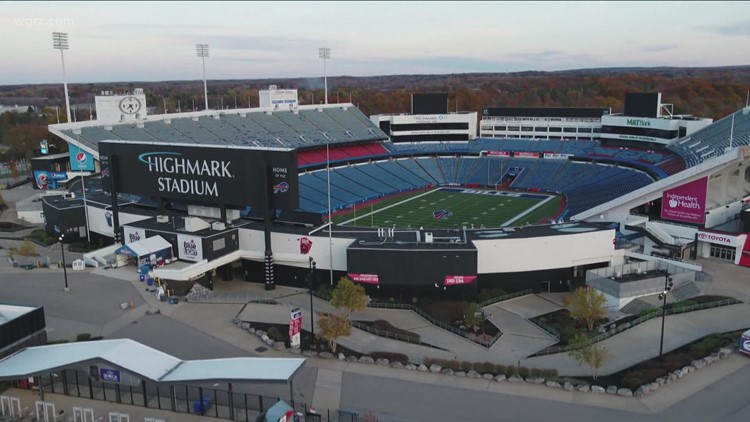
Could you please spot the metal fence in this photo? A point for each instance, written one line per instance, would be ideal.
(674, 311)
(440, 324)
(546, 328)
(414, 339)
(504, 297)
(190, 399)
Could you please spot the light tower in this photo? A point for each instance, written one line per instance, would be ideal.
(202, 51)
(60, 42)
(325, 54)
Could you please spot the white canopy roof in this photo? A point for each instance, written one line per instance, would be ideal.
(146, 362)
(149, 245)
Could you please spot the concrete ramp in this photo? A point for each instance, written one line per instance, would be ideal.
(526, 307)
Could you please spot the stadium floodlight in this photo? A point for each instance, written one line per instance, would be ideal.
(202, 52)
(325, 54)
(60, 42)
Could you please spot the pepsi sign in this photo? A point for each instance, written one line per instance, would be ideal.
(80, 160)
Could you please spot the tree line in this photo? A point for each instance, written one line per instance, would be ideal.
(709, 92)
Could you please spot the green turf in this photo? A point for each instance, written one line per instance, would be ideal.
(467, 209)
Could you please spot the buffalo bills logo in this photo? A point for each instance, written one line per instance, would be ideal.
(441, 214)
(281, 187)
(304, 245)
(42, 181)
(81, 159)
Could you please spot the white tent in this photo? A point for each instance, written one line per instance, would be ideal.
(145, 247)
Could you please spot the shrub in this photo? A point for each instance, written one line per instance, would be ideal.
(275, 334)
(673, 362)
(536, 373)
(635, 379)
(549, 373)
(500, 369)
(478, 366)
(427, 362)
(510, 371)
(632, 380)
(391, 356)
(454, 365)
(83, 337)
(466, 366)
(706, 346)
(325, 291)
(446, 311)
(523, 372)
(650, 312)
(42, 236)
(26, 248)
(490, 368)
(487, 294)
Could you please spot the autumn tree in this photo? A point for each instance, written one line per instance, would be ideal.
(583, 350)
(331, 327)
(586, 304)
(349, 296)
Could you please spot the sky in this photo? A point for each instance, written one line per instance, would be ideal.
(155, 41)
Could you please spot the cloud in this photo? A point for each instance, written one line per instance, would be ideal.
(740, 29)
(654, 48)
(259, 43)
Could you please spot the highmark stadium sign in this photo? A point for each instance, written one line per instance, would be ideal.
(182, 175)
(201, 174)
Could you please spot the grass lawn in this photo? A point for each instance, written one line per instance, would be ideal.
(448, 207)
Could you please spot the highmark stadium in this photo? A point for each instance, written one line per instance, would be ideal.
(402, 203)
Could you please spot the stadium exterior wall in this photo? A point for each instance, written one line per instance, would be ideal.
(544, 253)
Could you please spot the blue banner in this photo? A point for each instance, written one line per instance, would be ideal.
(109, 375)
(48, 179)
(80, 160)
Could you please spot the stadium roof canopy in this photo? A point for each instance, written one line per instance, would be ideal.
(146, 362)
(304, 127)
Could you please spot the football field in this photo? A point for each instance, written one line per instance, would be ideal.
(448, 207)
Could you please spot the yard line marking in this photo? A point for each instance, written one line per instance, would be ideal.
(390, 206)
(519, 216)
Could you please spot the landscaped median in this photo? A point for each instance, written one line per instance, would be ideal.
(635, 382)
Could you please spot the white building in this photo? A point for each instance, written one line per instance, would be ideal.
(649, 122)
(556, 123)
(278, 99)
(444, 127)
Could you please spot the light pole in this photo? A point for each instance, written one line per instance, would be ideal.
(65, 271)
(60, 42)
(310, 277)
(202, 52)
(325, 54)
(663, 296)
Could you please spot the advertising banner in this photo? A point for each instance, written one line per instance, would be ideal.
(499, 153)
(132, 234)
(717, 238)
(295, 327)
(201, 174)
(48, 179)
(526, 154)
(365, 278)
(189, 248)
(109, 375)
(686, 203)
(454, 280)
(80, 160)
